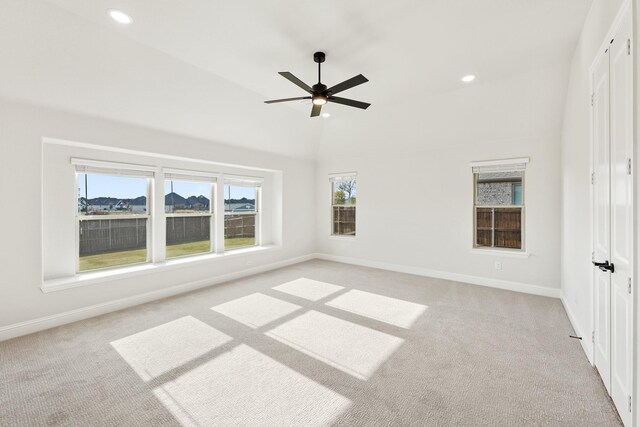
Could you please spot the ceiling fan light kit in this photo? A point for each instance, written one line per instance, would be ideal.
(319, 93)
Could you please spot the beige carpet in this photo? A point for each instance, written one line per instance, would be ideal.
(317, 343)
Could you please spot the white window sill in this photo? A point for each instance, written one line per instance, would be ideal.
(342, 237)
(93, 277)
(501, 252)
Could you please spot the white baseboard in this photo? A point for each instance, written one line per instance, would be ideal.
(42, 323)
(475, 280)
(585, 342)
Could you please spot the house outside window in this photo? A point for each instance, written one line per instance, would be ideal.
(499, 204)
(112, 217)
(343, 204)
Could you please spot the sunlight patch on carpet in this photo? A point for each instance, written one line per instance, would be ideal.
(158, 350)
(351, 348)
(379, 307)
(256, 310)
(312, 290)
(244, 387)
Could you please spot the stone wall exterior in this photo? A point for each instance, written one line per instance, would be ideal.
(494, 193)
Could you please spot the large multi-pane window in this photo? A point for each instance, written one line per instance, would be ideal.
(499, 206)
(112, 217)
(343, 205)
(189, 214)
(241, 210)
(115, 217)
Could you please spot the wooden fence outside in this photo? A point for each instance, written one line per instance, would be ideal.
(499, 227)
(185, 229)
(242, 225)
(113, 235)
(344, 220)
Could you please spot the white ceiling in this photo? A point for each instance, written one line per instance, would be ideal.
(203, 67)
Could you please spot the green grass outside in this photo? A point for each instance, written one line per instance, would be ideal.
(113, 259)
(239, 242)
(94, 262)
(191, 248)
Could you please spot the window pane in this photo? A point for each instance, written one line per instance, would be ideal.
(343, 210)
(499, 188)
(186, 232)
(187, 197)
(344, 192)
(484, 227)
(188, 235)
(240, 209)
(111, 195)
(111, 241)
(508, 223)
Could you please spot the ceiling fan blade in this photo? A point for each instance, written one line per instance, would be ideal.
(349, 102)
(315, 111)
(287, 99)
(296, 81)
(348, 84)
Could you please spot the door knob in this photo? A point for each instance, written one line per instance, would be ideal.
(604, 266)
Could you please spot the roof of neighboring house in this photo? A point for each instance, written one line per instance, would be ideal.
(239, 207)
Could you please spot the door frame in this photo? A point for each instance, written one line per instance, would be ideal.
(628, 6)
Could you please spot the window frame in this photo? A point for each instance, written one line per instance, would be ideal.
(256, 183)
(122, 170)
(194, 177)
(332, 179)
(506, 165)
(156, 217)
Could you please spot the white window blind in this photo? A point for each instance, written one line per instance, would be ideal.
(340, 176)
(185, 175)
(241, 181)
(108, 168)
(507, 165)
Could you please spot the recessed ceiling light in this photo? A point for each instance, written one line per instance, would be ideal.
(120, 17)
(325, 115)
(469, 78)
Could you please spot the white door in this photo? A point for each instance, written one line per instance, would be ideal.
(601, 212)
(621, 129)
(613, 217)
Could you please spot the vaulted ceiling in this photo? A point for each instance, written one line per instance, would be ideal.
(202, 68)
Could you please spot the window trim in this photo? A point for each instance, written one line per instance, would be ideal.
(504, 165)
(91, 167)
(168, 174)
(244, 181)
(156, 217)
(333, 177)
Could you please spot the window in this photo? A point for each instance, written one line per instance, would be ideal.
(112, 217)
(499, 204)
(343, 205)
(116, 224)
(188, 209)
(241, 210)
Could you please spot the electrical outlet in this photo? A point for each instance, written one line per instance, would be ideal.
(498, 265)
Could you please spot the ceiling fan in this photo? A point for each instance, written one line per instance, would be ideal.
(320, 95)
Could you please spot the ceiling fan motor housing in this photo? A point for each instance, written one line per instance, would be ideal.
(319, 89)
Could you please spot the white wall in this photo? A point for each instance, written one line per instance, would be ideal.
(415, 186)
(22, 128)
(576, 171)
(414, 210)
